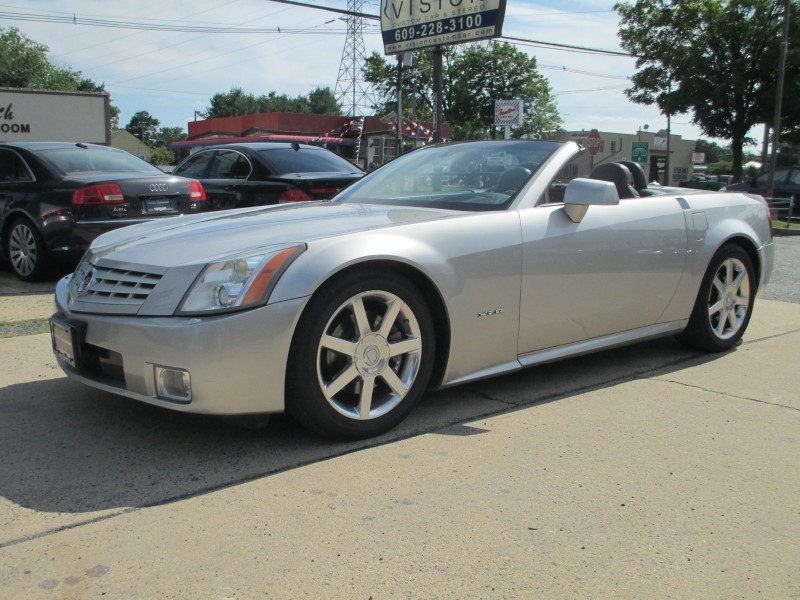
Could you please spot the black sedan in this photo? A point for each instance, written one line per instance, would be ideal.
(56, 197)
(257, 174)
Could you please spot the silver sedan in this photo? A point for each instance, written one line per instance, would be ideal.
(452, 263)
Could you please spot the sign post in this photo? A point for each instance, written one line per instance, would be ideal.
(593, 145)
(508, 113)
(407, 26)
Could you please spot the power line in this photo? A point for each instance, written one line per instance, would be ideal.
(522, 41)
(206, 29)
(582, 72)
(156, 26)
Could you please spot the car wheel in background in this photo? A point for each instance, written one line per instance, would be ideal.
(26, 252)
(361, 356)
(724, 304)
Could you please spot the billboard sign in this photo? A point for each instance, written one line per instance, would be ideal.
(49, 116)
(414, 24)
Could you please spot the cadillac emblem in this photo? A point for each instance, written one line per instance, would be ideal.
(86, 282)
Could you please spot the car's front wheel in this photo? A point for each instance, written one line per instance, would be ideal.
(361, 356)
(724, 304)
(26, 251)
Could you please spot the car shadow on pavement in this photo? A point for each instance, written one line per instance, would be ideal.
(72, 449)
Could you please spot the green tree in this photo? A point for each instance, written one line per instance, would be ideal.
(166, 135)
(162, 156)
(713, 58)
(722, 167)
(24, 64)
(713, 151)
(498, 71)
(475, 75)
(417, 84)
(321, 101)
(144, 126)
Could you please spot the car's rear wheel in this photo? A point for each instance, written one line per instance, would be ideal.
(361, 356)
(724, 304)
(26, 251)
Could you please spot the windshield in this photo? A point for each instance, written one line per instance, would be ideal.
(306, 160)
(460, 176)
(74, 161)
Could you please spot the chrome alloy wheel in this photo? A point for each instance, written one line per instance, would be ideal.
(369, 355)
(729, 298)
(22, 249)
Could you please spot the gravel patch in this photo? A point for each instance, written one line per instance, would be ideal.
(24, 328)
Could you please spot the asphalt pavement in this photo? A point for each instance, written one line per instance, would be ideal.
(650, 471)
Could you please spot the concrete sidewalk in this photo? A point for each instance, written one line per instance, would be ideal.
(676, 479)
(26, 307)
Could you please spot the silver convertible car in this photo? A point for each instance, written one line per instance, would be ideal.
(452, 263)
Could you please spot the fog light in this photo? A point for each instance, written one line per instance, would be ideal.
(173, 384)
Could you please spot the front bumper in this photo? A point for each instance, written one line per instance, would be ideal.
(237, 361)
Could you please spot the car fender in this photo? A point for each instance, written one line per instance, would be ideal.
(741, 219)
(480, 298)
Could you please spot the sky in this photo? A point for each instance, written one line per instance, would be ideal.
(173, 74)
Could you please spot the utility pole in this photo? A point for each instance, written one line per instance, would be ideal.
(776, 122)
(354, 95)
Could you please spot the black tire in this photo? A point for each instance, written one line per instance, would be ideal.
(26, 251)
(350, 376)
(724, 303)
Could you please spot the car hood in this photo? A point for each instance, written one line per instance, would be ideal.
(212, 236)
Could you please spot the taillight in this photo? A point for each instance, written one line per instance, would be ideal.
(196, 191)
(104, 193)
(323, 192)
(293, 195)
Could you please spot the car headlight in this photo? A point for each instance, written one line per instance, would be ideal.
(238, 282)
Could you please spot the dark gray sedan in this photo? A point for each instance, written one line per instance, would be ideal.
(258, 174)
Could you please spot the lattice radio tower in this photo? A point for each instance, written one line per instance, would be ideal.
(354, 95)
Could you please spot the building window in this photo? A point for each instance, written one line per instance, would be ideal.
(613, 147)
(568, 173)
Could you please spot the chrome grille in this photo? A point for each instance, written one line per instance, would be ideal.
(120, 287)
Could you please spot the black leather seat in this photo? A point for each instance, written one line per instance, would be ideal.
(512, 179)
(617, 174)
(639, 178)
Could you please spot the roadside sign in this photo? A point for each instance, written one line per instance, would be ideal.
(640, 152)
(508, 112)
(409, 25)
(593, 142)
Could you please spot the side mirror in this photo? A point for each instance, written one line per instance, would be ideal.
(583, 193)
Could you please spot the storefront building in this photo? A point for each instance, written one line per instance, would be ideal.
(622, 146)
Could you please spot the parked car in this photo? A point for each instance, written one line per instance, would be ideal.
(432, 271)
(701, 182)
(258, 174)
(56, 197)
(787, 183)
